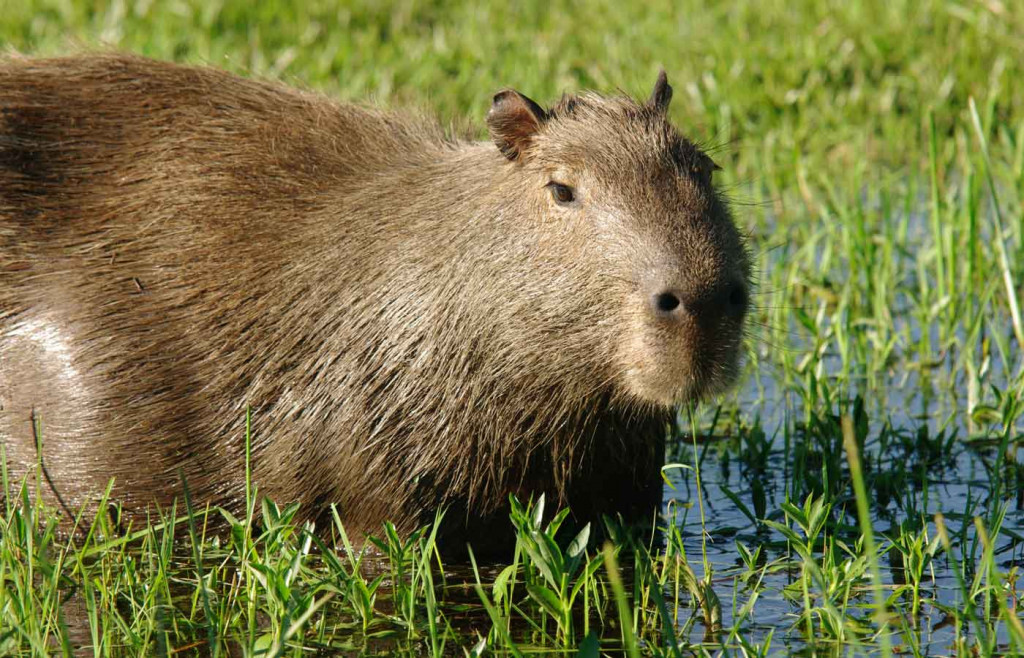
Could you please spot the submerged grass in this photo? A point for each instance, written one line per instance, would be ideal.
(862, 491)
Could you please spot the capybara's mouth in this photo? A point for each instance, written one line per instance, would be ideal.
(692, 374)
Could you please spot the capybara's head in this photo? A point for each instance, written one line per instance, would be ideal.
(657, 277)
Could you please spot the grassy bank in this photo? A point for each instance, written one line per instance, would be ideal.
(875, 153)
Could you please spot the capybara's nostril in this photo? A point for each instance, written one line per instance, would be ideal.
(665, 303)
(737, 297)
(707, 305)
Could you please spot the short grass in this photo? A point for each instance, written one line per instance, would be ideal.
(866, 496)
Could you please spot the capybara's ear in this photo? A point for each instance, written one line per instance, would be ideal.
(513, 120)
(662, 94)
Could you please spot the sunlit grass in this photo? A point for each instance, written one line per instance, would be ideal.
(874, 152)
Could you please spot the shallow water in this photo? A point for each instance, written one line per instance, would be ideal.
(959, 484)
(772, 612)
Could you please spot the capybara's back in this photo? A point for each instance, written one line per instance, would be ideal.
(415, 321)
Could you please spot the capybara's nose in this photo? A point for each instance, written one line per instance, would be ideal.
(705, 305)
(667, 304)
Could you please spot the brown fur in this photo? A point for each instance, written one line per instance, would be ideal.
(412, 318)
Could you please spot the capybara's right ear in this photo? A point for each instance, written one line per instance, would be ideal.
(513, 121)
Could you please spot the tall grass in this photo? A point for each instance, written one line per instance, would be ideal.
(860, 491)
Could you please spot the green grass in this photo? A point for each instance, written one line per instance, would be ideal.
(868, 483)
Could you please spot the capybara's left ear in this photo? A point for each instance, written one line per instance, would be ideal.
(513, 121)
(662, 94)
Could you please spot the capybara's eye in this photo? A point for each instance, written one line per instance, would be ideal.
(562, 194)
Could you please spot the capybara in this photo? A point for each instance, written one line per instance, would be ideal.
(416, 320)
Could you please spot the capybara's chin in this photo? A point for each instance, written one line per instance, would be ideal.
(672, 386)
(414, 321)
